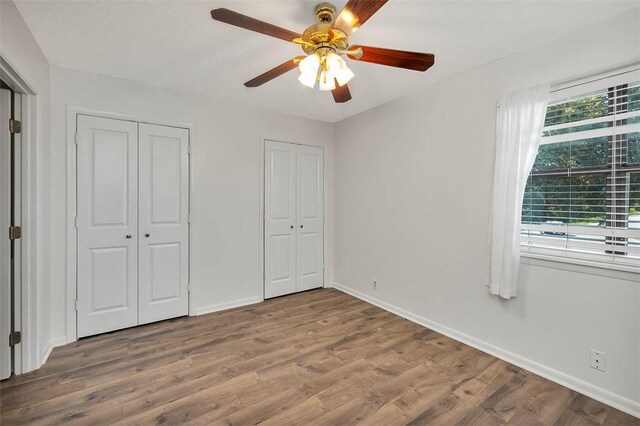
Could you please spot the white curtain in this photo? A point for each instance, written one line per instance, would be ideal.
(519, 128)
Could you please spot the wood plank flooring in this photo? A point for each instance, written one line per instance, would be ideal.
(320, 357)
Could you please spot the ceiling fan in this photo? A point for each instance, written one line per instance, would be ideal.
(324, 43)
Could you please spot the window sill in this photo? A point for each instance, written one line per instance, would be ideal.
(622, 272)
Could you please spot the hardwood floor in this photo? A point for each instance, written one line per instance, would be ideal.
(320, 357)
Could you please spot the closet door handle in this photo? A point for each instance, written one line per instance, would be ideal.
(291, 226)
(301, 226)
(147, 235)
(127, 236)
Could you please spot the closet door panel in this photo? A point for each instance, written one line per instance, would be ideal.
(107, 224)
(310, 218)
(280, 219)
(163, 221)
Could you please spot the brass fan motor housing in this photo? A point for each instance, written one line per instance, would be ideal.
(321, 34)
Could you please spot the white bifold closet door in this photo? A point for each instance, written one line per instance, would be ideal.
(163, 222)
(310, 217)
(107, 184)
(294, 218)
(133, 195)
(280, 219)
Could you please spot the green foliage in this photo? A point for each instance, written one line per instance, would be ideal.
(578, 198)
(572, 155)
(575, 199)
(634, 148)
(576, 110)
(634, 193)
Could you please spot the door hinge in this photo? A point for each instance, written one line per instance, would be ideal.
(75, 137)
(75, 304)
(189, 149)
(15, 126)
(15, 232)
(189, 218)
(189, 287)
(75, 222)
(15, 337)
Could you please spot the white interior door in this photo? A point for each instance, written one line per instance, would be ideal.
(5, 256)
(280, 219)
(163, 222)
(107, 217)
(310, 218)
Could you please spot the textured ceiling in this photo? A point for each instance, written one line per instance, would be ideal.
(176, 44)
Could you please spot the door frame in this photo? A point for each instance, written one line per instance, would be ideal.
(71, 285)
(325, 227)
(28, 354)
(15, 209)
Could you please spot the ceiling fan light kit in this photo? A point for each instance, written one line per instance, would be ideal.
(333, 69)
(309, 70)
(324, 43)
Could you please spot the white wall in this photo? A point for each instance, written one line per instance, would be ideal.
(412, 192)
(228, 139)
(20, 49)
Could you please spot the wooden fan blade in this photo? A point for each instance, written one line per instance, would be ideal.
(274, 72)
(243, 21)
(355, 13)
(393, 58)
(341, 94)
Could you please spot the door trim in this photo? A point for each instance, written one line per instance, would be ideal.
(29, 355)
(71, 285)
(325, 226)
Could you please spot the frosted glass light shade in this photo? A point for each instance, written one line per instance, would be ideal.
(338, 69)
(335, 63)
(344, 76)
(309, 70)
(307, 79)
(326, 81)
(310, 63)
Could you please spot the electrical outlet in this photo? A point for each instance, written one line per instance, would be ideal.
(375, 284)
(598, 360)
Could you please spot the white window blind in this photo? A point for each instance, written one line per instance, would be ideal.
(582, 198)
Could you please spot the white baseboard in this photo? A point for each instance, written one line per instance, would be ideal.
(617, 401)
(45, 355)
(54, 342)
(227, 305)
(62, 340)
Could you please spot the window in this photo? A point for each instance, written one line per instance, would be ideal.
(582, 199)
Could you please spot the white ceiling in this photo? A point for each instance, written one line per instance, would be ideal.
(176, 44)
